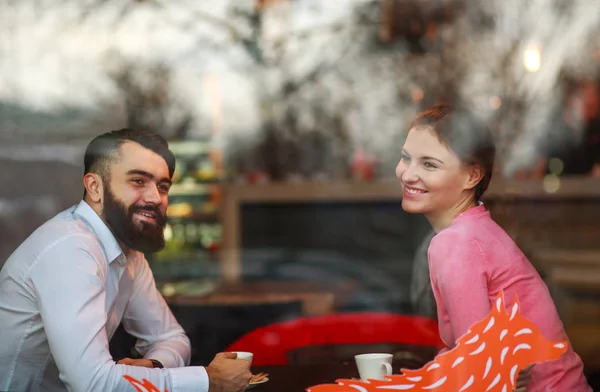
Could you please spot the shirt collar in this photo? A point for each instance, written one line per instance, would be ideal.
(108, 241)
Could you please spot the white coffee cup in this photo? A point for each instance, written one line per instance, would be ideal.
(374, 366)
(244, 355)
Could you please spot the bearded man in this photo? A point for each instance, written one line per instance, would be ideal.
(66, 289)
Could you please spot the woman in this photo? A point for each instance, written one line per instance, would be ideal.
(445, 168)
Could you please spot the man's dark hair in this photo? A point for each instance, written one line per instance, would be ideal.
(104, 150)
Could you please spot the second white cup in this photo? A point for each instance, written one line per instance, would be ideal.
(374, 366)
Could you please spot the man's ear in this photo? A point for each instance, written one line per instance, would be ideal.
(474, 175)
(94, 187)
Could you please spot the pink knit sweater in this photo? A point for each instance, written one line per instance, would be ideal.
(470, 262)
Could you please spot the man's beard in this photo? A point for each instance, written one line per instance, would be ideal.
(142, 236)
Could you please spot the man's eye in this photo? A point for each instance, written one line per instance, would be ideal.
(163, 188)
(138, 181)
(405, 157)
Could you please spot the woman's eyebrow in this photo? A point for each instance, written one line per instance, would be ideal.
(433, 159)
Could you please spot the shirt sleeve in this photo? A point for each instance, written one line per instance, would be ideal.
(149, 319)
(69, 278)
(459, 271)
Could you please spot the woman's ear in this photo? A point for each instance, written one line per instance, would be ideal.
(474, 175)
(94, 187)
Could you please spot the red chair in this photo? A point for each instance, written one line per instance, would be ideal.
(273, 344)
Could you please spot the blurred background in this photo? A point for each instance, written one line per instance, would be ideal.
(287, 118)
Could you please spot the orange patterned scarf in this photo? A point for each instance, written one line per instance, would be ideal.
(487, 358)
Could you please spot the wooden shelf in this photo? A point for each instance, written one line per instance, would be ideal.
(570, 187)
(193, 189)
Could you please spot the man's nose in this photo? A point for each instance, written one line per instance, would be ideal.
(152, 195)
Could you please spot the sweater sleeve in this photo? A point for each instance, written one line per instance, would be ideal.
(460, 277)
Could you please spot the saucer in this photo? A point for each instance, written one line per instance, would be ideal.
(253, 384)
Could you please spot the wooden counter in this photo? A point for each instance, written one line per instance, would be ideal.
(510, 202)
(574, 277)
(577, 269)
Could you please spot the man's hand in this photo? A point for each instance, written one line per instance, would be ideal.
(228, 374)
(136, 362)
(523, 379)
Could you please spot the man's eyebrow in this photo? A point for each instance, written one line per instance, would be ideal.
(148, 175)
(140, 173)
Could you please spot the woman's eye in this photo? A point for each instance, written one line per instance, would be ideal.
(430, 165)
(405, 157)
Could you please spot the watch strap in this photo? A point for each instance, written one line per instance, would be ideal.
(156, 364)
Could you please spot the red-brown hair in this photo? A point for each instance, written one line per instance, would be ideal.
(465, 135)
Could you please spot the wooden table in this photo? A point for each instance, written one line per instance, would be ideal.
(296, 378)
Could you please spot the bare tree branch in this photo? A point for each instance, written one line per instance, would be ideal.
(291, 87)
(124, 11)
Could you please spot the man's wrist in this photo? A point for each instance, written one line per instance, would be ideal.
(156, 364)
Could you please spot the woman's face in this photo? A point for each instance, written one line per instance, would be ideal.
(433, 178)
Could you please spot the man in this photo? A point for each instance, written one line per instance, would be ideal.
(65, 290)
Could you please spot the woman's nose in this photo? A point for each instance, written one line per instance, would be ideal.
(409, 174)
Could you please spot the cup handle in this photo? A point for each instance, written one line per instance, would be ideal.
(388, 368)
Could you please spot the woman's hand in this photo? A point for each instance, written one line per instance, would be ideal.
(523, 379)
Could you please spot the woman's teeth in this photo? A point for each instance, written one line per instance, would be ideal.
(413, 191)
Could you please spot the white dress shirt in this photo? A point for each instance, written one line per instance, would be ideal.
(63, 293)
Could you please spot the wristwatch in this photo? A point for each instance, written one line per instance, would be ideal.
(156, 364)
